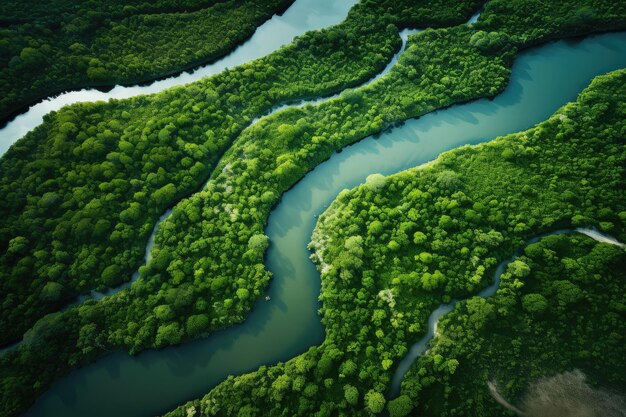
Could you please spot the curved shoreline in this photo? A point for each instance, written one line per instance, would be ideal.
(106, 87)
(420, 347)
(97, 295)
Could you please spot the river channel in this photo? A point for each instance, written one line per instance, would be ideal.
(301, 17)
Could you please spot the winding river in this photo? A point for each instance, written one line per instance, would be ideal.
(421, 346)
(543, 79)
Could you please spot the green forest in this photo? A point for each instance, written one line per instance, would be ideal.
(566, 312)
(394, 248)
(52, 46)
(124, 162)
(83, 191)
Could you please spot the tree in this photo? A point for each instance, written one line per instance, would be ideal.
(164, 195)
(479, 311)
(448, 180)
(243, 293)
(534, 303)
(375, 401)
(375, 227)
(258, 243)
(519, 269)
(197, 324)
(164, 312)
(375, 182)
(168, 334)
(17, 246)
(52, 291)
(111, 275)
(351, 394)
(489, 42)
(419, 238)
(280, 386)
(400, 407)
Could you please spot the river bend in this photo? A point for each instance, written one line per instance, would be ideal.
(301, 17)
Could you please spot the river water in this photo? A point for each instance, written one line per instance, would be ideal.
(543, 79)
(301, 17)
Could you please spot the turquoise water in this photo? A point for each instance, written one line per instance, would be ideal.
(119, 385)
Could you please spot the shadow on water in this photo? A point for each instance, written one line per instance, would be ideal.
(119, 385)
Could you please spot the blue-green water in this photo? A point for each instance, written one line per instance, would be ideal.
(543, 79)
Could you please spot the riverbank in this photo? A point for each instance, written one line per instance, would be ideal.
(421, 347)
(228, 174)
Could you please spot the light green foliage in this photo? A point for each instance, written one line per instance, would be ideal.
(122, 163)
(374, 401)
(375, 182)
(517, 345)
(351, 394)
(363, 329)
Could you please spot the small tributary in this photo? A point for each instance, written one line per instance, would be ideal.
(301, 17)
(420, 347)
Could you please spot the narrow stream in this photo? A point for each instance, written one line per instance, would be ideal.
(421, 346)
(404, 35)
(543, 79)
(301, 17)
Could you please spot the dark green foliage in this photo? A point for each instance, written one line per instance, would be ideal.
(529, 22)
(86, 187)
(489, 41)
(400, 407)
(104, 160)
(51, 46)
(115, 164)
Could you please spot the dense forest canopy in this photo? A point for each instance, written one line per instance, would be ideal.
(50, 46)
(83, 191)
(393, 249)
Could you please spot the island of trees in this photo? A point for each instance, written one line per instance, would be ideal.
(52, 46)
